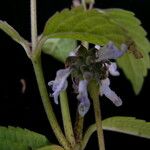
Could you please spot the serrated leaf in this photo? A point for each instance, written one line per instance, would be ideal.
(128, 125)
(24, 136)
(134, 69)
(90, 25)
(4, 26)
(59, 48)
(8, 145)
(51, 147)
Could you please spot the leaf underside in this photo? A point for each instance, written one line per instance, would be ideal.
(12, 138)
(128, 125)
(62, 46)
(100, 26)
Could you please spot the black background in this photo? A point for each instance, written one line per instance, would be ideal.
(26, 110)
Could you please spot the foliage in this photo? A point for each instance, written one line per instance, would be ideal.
(12, 138)
(14, 34)
(58, 39)
(91, 25)
(134, 69)
(128, 125)
(62, 46)
(99, 27)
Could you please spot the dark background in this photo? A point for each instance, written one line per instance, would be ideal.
(25, 109)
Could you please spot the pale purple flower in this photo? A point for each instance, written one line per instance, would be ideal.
(112, 68)
(83, 98)
(105, 90)
(60, 83)
(82, 72)
(110, 51)
(76, 3)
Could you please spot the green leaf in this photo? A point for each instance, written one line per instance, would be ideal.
(59, 48)
(27, 138)
(128, 125)
(8, 145)
(14, 35)
(51, 147)
(90, 25)
(134, 69)
(100, 26)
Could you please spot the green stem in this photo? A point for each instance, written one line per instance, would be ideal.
(79, 128)
(41, 82)
(66, 118)
(94, 93)
(33, 23)
(47, 105)
(98, 119)
(87, 136)
(83, 4)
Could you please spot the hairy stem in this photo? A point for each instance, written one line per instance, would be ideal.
(33, 23)
(98, 119)
(94, 93)
(47, 105)
(41, 83)
(66, 118)
(79, 128)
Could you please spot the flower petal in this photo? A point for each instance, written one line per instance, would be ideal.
(113, 69)
(110, 51)
(83, 98)
(60, 83)
(74, 52)
(61, 87)
(97, 47)
(105, 90)
(83, 108)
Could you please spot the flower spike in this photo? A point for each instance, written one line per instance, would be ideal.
(87, 64)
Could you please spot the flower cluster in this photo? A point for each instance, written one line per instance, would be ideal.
(84, 65)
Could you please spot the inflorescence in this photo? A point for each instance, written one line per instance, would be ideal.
(85, 65)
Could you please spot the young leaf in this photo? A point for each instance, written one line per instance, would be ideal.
(14, 35)
(25, 137)
(128, 125)
(59, 48)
